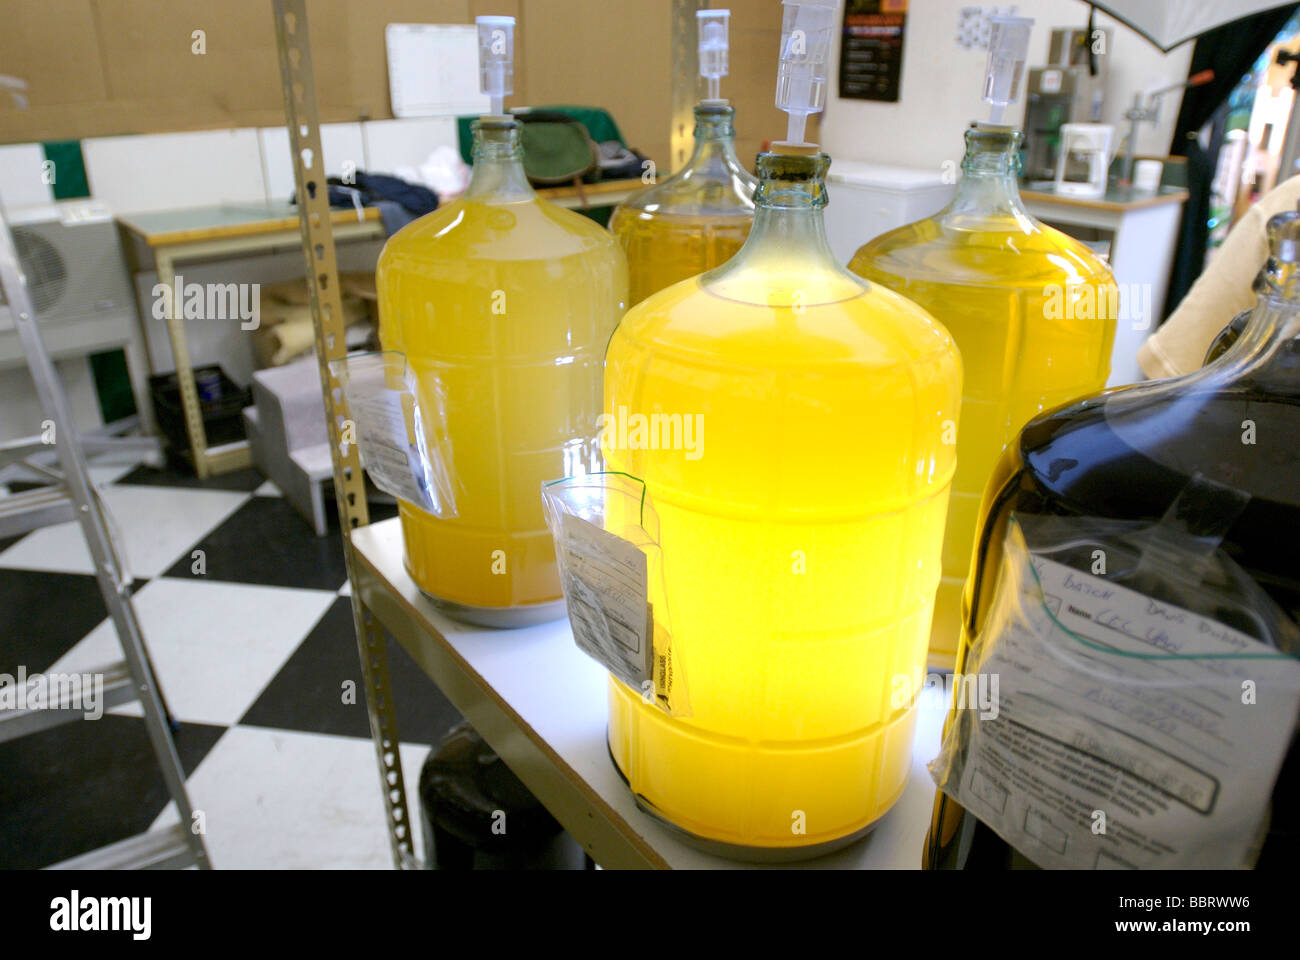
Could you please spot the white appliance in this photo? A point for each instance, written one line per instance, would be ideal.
(868, 199)
(79, 285)
(1084, 159)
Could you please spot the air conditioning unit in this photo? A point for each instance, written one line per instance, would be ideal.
(78, 280)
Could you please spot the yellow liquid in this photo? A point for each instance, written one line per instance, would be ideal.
(800, 548)
(1021, 355)
(663, 249)
(507, 308)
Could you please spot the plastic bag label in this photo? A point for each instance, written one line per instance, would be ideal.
(605, 583)
(392, 464)
(1129, 733)
(400, 429)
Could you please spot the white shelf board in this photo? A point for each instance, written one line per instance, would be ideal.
(536, 683)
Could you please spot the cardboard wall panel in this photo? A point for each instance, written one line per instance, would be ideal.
(108, 67)
(610, 55)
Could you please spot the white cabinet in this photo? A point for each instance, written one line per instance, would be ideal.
(868, 199)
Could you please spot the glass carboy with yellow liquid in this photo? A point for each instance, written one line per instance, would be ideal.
(1032, 310)
(697, 218)
(800, 532)
(502, 304)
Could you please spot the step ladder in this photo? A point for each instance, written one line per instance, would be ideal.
(71, 495)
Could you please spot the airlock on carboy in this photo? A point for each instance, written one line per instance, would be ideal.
(806, 27)
(696, 219)
(1006, 287)
(1005, 68)
(500, 305)
(791, 548)
(713, 28)
(496, 60)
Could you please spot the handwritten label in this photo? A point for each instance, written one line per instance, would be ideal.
(1170, 723)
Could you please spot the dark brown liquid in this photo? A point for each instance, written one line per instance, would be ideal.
(1080, 462)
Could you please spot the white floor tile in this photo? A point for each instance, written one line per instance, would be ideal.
(106, 473)
(268, 489)
(214, 645)
(154, 525)
(275, 799)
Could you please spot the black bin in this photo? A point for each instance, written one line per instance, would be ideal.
(221, 412)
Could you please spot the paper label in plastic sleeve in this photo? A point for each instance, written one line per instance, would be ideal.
(402, 442)
(1129, 733)
(391, 459)
(605, 584)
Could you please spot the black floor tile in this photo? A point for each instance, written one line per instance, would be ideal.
(74, 788)
(265, 541)
(379, 510)
(173, 475)
(7, 542)
(307, 693)
(22, 486)
(44, 615)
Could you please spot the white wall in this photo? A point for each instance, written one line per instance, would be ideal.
(942, 83)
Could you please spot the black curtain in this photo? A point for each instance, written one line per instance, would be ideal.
(1229, 51)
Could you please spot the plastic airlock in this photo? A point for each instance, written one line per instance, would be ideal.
(805, 48)
(496, 59)
(713, 28)
(1005, 70)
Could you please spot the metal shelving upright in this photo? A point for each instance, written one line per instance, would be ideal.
(303, 120)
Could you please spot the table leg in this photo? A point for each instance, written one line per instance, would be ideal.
(184, 372)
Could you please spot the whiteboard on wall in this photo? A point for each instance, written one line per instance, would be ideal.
(433, 70)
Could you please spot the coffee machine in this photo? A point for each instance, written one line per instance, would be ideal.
(1070, 88)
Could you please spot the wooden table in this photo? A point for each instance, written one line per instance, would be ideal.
(606, 193)
(540, 703)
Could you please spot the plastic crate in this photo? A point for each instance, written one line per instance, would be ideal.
(221, 415)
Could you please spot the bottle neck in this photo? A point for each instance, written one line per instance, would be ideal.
(989, 171)
(498, 152)
(715, 136)
(786, 259)
(1267, 354)
(788, 204)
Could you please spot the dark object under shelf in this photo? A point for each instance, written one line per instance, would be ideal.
(221, 413)
(478, 815)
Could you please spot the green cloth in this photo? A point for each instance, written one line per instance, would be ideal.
(598, 122)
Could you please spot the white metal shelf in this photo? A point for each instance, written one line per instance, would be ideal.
(540, 703)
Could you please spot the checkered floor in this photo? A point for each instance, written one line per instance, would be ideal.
(252, 655)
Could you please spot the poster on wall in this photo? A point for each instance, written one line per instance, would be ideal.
(871, 49)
